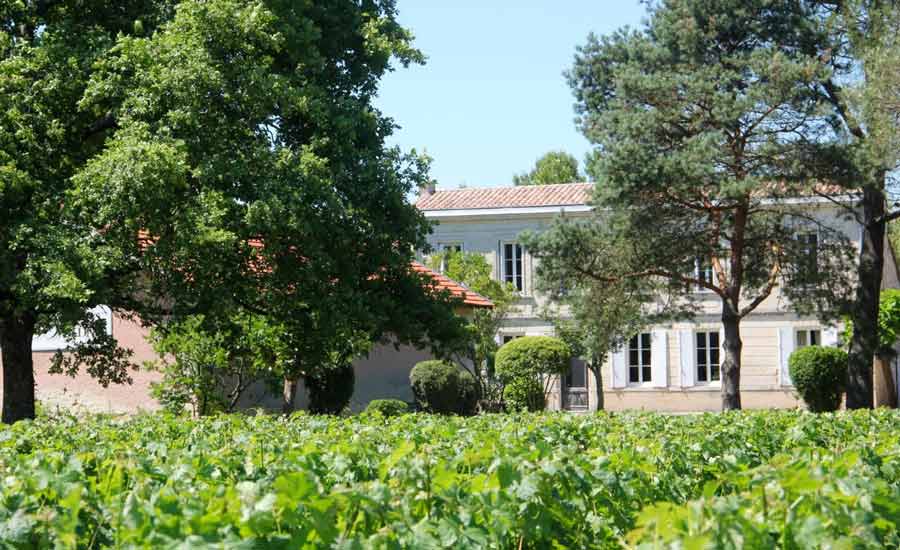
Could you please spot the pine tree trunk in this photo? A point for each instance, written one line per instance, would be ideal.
(289, 394)
(864, 343)
(18, 368)
(731, 363)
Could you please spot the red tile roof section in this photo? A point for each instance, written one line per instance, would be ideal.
(442, 282)
(457, 290)
(563, 194)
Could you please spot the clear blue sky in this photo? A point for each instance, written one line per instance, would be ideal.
(492, 98)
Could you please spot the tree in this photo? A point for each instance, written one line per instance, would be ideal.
(477, 354)
(553, 167)
(591, 317)
(693, 118)
(147, 150)
(208, 364)
(858, 41)
(527, 366)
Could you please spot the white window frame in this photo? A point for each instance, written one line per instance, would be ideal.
(640, 364)
(707, 348)
(807, 333)
(698, 273)
(518, 272)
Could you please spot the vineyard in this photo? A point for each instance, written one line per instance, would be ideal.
(737, 480)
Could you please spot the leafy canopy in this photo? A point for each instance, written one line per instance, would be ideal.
(197, 157)
(553, 167)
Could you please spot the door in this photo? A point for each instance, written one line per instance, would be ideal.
(574, 390)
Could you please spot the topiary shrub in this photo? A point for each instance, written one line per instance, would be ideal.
(525, 366)
(387, 407)
(820, 376)
(330, 389)
(442, 388)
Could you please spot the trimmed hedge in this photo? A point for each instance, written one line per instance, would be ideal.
(443, 388)
(387, 407)
(820, 376)
(330, 389)
(524, 363)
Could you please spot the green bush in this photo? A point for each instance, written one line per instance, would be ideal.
(330, 389)
(387, 407)
(525, 365)
(442, 388)
(820, 376)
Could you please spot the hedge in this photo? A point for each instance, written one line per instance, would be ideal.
(443, 388)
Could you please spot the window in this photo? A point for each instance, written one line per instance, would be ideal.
(446, 249)
(808, 337)
(510, 337)
(704, 272)
(576, 377)
(639, 370)
(708, 357)
(512, 265)
(808, 260)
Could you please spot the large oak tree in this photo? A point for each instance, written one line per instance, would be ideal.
(208, 126)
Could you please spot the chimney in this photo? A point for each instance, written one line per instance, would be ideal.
(428, 189)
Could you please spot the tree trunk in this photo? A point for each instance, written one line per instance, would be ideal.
(864, 343)
(731, 362)
(596, 369)
(289, 394)
(18, 368)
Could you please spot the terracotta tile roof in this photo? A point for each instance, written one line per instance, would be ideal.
(442, 282)
(563, 194)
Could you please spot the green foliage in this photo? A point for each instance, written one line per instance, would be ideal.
(820, 375)
(477, 354)
(387, 407)
(888, 323)
(443, 388)
(553, 167)
(215, 127)
(739, 480)
(208, 363)
(330, 389)
(526, 366)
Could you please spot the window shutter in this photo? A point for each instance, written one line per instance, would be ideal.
(659, 358)
(830, 337)
(785, 348)
(499, 262)
(619, 370)
(688, 359)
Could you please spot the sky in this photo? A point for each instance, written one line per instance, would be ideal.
(492, 97)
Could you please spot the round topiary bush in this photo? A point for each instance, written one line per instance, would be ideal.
(387, 407)
(525, 364)
(330, 389)
(820, 376)
(442, 388)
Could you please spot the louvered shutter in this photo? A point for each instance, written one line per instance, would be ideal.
(619, 368)
(785, 348)
(688, 357)
(659, 359)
